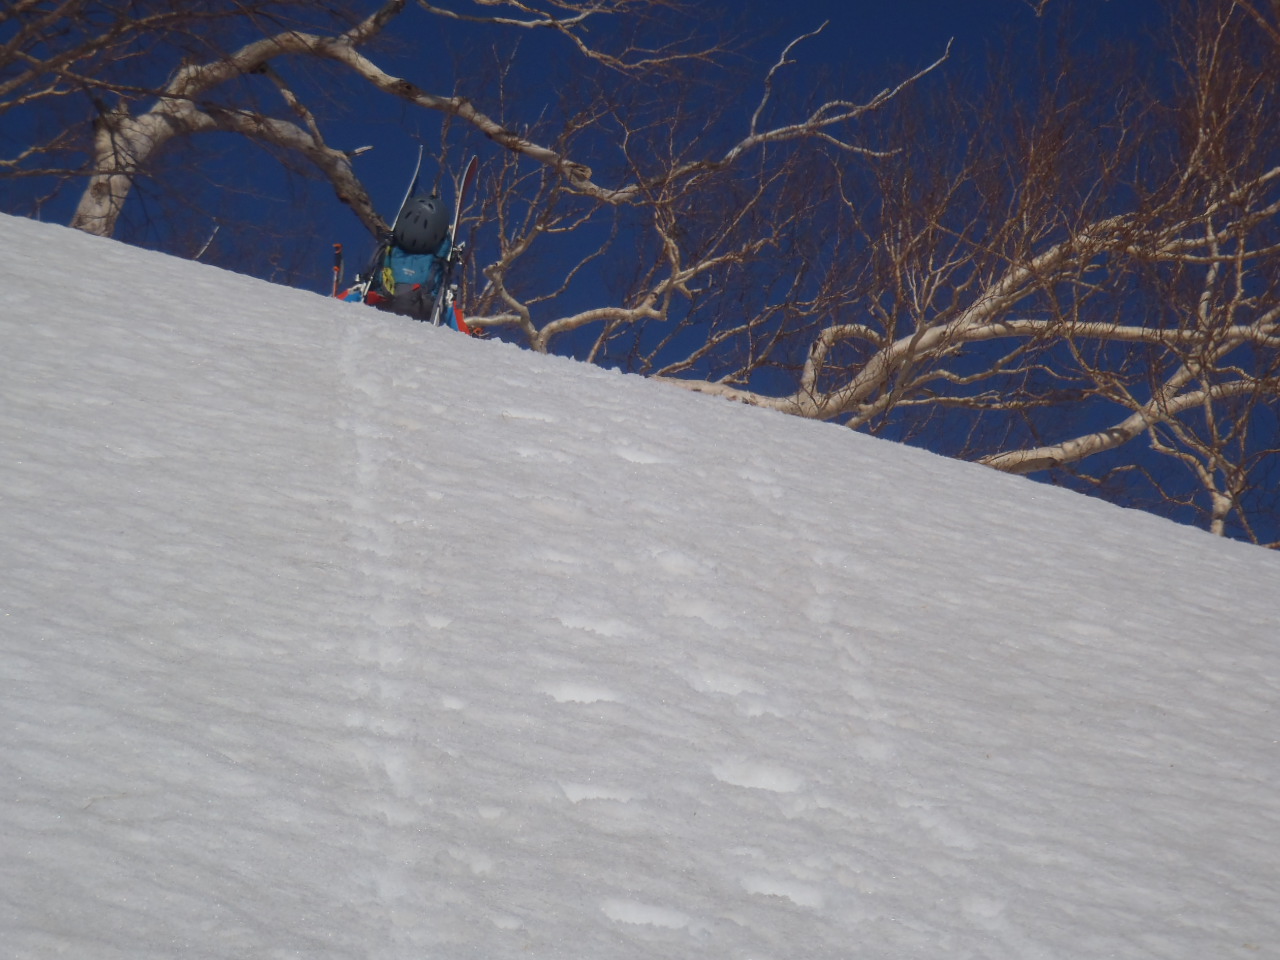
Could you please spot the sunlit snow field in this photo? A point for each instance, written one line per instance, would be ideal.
(327, 634)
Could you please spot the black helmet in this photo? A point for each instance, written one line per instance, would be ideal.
(421, 226)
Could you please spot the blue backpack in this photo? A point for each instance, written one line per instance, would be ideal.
(407, 283)
(401, 269)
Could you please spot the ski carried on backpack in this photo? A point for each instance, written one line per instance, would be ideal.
(413, 186)
(360, 287)
(448, 289)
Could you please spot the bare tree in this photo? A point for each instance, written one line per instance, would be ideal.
(1066, 274)
(695, 206)
(83, 49)
(101, 53)
(1055, 281)
(83, 96)
(649, 171)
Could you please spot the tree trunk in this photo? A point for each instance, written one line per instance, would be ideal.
(121, 146)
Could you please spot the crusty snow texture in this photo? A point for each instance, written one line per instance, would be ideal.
(328, 634)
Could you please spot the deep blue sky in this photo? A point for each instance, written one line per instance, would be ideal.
(868, 44)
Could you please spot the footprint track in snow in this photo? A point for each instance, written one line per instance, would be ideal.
(750, 698)
(801, 894)
(645, 914)
(638, 456)
(532, 416)
(572, 692)
(757, 776)
(579, 792)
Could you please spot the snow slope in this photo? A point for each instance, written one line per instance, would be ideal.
(327, 634)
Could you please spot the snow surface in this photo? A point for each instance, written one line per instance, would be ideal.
(328, 634)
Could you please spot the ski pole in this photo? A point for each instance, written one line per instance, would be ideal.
(337, 267)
